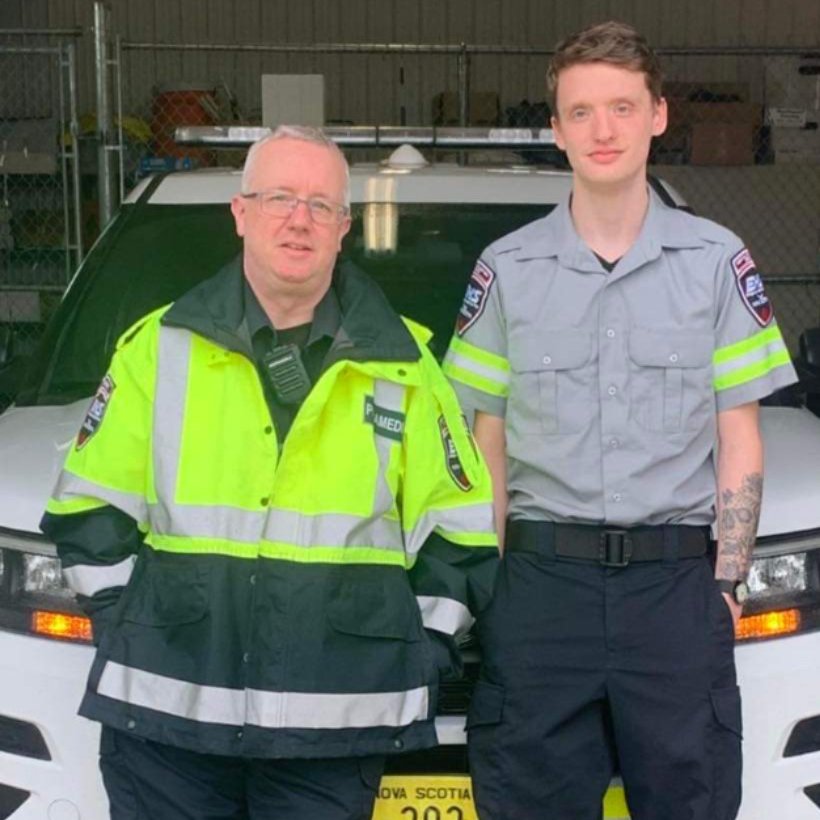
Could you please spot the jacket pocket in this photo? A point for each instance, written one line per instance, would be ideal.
(169, 590)
(671, 379)
(370, 610)
(486, 705)
(552, 389)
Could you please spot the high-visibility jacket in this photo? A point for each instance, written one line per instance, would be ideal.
(282, 601)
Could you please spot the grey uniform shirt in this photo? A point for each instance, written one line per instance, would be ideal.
(609, 383)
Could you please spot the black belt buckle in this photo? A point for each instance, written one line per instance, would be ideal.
(615, 548)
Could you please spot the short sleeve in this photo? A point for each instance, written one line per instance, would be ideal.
(476, 362)
(750, 359)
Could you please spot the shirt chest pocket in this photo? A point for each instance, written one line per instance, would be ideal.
(670, 379)
(552, 386)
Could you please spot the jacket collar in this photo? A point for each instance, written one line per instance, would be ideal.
(370, 329)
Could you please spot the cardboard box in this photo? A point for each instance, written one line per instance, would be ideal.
(722, 143)
(483, 108)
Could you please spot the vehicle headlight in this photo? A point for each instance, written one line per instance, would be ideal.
(34, 599)
(43, 575)
(784, 589)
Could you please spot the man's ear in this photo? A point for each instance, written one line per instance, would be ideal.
(238, 207)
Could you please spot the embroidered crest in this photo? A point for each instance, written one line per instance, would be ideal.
(451, 458)
(478, 289)
(96, 412)
(387, 423)
(750, 286)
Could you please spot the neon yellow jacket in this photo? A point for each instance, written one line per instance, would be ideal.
(283, 603)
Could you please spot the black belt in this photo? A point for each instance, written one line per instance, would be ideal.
(609, 546)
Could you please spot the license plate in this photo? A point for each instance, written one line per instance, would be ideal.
(425, 797)
(450, 797)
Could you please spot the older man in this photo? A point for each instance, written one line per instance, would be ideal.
(276, 518)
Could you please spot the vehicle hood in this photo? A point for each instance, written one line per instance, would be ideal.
(34, 442)
(791, 475)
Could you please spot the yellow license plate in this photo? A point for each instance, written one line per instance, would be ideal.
(450, 797)
(425, 797)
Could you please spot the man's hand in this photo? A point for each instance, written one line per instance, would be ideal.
(734, 607)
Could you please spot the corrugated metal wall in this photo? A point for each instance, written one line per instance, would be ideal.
(389, 88)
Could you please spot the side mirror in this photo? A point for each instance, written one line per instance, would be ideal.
(6, 345)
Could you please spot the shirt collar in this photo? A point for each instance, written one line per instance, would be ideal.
(663, 227)
(327, 315)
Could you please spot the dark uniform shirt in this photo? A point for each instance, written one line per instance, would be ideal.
(313, 340)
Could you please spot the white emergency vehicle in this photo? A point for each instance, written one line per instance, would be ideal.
(417, 229)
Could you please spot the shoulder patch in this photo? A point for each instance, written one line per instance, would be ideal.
(96, 411)
(451, 459)
(750, 287)
(475, 299)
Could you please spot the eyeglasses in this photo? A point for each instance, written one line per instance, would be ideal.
(282, 204)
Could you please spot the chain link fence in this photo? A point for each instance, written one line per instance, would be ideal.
(40, 244)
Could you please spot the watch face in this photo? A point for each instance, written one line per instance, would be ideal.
(741, 592)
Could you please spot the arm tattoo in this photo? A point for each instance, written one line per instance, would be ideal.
(737, 528)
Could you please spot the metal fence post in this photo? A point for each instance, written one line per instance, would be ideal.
(104, 119)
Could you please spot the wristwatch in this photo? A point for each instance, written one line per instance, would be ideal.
(737, 589)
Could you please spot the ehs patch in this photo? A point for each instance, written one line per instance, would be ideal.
(451, 457)
(750, 287)
(478, 289)
(387, 423)
(96, 412)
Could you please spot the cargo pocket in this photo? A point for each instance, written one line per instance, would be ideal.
(552, 391)
(670, 379)
(486, 705)
(169, 591)
(726, 752)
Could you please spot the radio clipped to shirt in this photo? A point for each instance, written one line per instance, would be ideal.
(286, 374)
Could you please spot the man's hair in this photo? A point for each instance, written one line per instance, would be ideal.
(612, 42)
(303, 133)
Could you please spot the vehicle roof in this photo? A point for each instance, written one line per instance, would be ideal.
(371, 182)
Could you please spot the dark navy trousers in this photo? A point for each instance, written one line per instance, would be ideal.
(589, 671)
(150, 781)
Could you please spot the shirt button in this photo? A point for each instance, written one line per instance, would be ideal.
(547, 360)
(252, 580)
(610, 333)
(673, 358)
(613, 443)
(132, 724)
(612, 390)
(246, 657)
(264, 501)
(616, 497)
(268, 430)
(398, 744)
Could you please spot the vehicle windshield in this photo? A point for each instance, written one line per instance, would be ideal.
(420, 254)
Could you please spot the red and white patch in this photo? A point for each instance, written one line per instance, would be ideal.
(451, 459)
(478, 289)
(96, 412)
(750, 287)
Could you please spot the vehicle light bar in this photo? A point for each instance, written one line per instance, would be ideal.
(768, 624)
(61, 625)
(375, 136)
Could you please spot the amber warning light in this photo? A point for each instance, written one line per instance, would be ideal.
(767, 624)
(60, 625)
